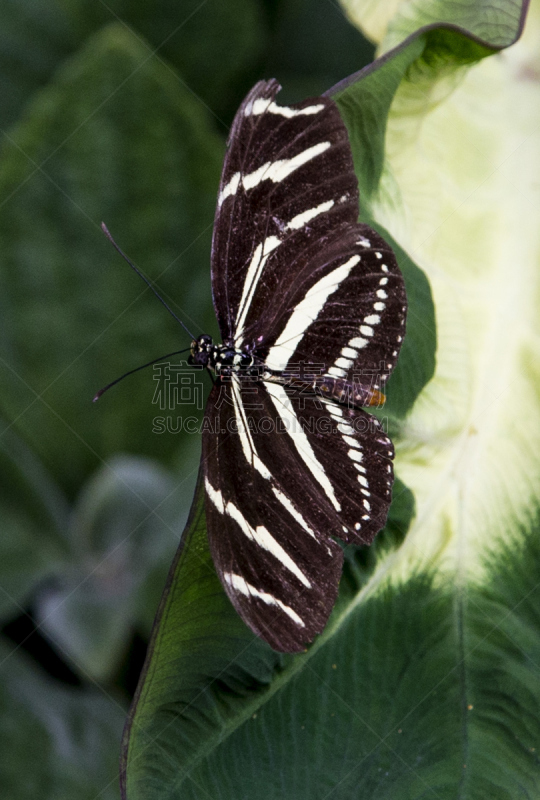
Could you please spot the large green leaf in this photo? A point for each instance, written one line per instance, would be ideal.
(207, 673)
(114, 137)
(425, 681)
(213, 45)
(495, 24)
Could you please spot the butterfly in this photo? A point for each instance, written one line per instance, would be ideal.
(311, 307)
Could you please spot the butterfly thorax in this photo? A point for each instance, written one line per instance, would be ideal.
(226, 361)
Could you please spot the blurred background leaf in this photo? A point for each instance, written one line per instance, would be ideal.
(124, 532)
(35, 518)
(101, 157)
(56, 741)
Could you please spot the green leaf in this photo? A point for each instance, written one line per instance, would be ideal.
(364, 101)
(34, 39)
(416, 363)
(56, 742)
(494, 25)
(114, 137)
(371, 18)
(34, 515)
(124, 531)
(402, 701)
(206, 673)
(497, 24)
(425, 681)
(213, 45)
(438, 54)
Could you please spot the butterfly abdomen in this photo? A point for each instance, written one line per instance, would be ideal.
(356, 395)
(349, 393)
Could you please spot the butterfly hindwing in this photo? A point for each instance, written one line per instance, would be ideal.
(344, 314)
(286, 472)
(266, 526)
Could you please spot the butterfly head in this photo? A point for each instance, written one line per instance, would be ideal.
(202, 350)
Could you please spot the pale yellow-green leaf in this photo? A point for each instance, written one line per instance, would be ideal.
(494, 23)
(466, 175)
(371, 16)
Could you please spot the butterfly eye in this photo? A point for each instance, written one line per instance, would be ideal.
(205, 342)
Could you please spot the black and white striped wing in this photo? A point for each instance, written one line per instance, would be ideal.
(284, 475)
(348, 314)
(287, 180)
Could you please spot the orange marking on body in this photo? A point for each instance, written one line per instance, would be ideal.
(376, 398)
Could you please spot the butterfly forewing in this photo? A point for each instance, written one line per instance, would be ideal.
(288, 179)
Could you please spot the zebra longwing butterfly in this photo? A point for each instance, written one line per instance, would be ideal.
(311, 307)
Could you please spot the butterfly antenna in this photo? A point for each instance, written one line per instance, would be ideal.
(145, 279)
(131, 371)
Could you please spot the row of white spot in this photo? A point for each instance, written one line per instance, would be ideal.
(349, 353)
(354, 453)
